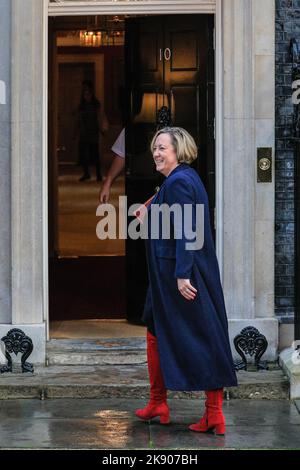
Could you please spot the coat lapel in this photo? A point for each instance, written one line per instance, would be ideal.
(159, 197)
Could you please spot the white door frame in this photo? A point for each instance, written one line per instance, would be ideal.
(108, 7)
(114, 7)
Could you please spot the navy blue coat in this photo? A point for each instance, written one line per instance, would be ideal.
(192, 335)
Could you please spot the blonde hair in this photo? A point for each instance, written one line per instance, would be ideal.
(183, 143)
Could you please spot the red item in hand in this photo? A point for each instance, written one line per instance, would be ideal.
(142, 210)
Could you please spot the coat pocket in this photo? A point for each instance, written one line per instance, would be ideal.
(165, 251)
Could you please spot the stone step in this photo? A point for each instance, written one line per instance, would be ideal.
(104, 351)
(130, 380)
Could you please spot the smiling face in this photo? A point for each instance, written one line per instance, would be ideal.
(164, 154)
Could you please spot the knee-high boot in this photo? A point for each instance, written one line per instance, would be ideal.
(157, 405)
(213, 419)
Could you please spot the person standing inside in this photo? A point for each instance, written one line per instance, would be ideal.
(90, 117)
(188, 345)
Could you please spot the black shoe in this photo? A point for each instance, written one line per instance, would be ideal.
(85, 177)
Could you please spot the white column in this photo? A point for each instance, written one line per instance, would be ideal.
(5, 229)
(27, 81)
(248, 207)
(27, 170)
(239, 159)
(264, 113)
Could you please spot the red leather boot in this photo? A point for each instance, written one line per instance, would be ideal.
(213, 419)
(157, 405)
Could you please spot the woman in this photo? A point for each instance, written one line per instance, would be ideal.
(187, 330)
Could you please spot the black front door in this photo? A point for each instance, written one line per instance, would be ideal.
(169, 62)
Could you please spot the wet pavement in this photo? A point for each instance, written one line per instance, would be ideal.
(111, 424)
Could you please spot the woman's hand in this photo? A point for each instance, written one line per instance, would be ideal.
(186, 289)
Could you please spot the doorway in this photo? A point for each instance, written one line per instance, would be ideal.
(86, 275)
(169, 66)
(165, 60)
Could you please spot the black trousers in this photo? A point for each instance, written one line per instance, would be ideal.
(89, 155)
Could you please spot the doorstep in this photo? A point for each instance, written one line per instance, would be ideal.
(102, 351)
(117, 367)
(124, 381)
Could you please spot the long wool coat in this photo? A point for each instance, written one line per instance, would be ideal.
(192, 335)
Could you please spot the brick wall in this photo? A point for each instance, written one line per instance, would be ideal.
(287, 27)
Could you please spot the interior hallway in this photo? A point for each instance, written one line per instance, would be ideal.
(87, 275)
(77, 218)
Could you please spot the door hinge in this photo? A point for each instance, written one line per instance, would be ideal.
(215, 223)
(214, 128)
(214, 39)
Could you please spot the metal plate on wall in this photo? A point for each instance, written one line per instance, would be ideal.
(264, 165)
